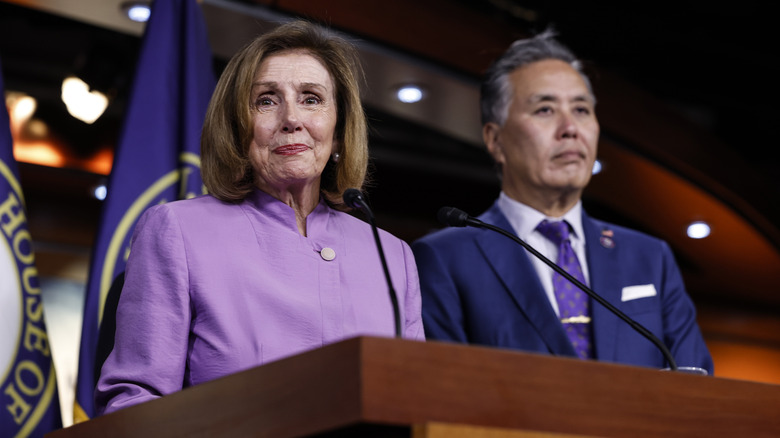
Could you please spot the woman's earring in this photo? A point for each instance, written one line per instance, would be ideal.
(335, 157)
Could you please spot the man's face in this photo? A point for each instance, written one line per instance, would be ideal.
(547, 145)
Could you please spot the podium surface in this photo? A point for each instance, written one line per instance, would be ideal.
(388, 387)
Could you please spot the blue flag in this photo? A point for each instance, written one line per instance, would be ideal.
(157, 157)
(31, 405)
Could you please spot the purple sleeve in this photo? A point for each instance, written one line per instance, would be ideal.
(153, 318)
(413, 325)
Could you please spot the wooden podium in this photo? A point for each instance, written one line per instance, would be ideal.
(376, 387)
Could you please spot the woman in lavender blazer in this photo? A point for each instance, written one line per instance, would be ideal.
(268, 264)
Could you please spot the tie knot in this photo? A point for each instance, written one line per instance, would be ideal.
(557, 232)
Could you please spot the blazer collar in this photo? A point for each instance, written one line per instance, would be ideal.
(509, 260)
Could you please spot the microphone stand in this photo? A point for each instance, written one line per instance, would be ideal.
(454, 217)
(354, 198)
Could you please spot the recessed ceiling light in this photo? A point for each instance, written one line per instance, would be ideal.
(698, 230)
(100, 192)
(409, 94)
(137, 10)
(597, 167)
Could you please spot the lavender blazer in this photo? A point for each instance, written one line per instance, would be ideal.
(213, 288)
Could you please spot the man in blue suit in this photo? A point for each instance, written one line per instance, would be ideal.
(479, 287)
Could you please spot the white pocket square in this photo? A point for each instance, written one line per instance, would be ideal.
(639, 291)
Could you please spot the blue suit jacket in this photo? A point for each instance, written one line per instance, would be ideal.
(480, 287)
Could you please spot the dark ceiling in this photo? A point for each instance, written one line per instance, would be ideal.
(717, 66)
(686, 89)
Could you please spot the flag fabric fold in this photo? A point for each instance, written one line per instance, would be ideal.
(30, 401)
(157, 158)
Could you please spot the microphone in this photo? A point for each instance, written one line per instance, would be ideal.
(458, 218)
(354, 198)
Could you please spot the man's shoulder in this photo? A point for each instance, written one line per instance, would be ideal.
(452, 238)
(619, 233)
(447, 237)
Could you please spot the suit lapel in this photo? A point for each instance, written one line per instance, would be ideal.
(602, 262)
(512, 266)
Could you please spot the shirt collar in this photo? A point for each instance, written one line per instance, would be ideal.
(524, 218)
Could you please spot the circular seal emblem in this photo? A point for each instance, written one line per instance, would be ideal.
(11, 307)
(26, 371)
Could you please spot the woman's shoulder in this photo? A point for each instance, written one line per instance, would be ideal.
(199, 209)
(202, 204)
(357, 227)
(199, 202)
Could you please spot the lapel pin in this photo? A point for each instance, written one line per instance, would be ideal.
(606, 239)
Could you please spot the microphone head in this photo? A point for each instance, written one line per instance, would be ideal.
(453, 217)
(352, 198)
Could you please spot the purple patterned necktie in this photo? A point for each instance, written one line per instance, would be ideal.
(572, 302)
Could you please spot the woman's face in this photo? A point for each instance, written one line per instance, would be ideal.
(294, 118)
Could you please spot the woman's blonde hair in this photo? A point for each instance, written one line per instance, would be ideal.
(227, 130)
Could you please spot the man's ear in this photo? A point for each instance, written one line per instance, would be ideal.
(491, 133)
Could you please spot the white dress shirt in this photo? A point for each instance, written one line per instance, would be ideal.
(525, 219)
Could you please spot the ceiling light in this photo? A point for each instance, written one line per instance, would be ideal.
(137, 11)
(23, 107)
(41, 152)
(409, 94)
(82, 103)
(698, 230)
(597, 167)
(100, 192)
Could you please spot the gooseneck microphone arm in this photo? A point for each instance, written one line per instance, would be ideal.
(354, 198)
(457, 218)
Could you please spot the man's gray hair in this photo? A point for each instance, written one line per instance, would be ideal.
(496, 90)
